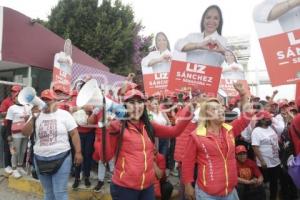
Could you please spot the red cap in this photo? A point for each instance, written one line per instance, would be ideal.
(264, 115)
(283, 104)
(240, 149)
(16, 88)
(133, 93)
(47, 94)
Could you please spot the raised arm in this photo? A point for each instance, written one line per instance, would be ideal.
(281, 8)
(184, 116)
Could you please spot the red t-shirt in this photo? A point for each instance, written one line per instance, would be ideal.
(6, 103)
(248, 169)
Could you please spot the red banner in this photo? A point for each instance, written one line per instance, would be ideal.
(156, 82)
(186, 76)
(227, 86)
(62, 71)
(282, 57)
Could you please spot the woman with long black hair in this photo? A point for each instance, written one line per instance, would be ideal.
(134, 175)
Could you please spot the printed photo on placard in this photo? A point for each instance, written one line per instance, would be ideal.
(231, 68)
(278, 27)
(156, 65)
(208, 46)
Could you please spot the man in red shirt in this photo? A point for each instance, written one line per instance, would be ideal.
(250, 178)
(5, 104)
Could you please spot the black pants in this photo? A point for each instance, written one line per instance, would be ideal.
(271, 175)
(170, 159)
(288, 188)
(121, 193)
(87, 148)
(166, 189)
(249, 192)
(7, 155)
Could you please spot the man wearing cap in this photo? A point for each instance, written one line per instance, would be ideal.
(6, 103)
(250, 178)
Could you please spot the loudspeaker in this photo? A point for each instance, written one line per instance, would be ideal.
(90, 94)
(28, 96)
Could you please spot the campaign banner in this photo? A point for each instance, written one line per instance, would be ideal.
(227, 86)
(283, 59)
(155, 82)
(62, 72)
(185, 76)
(279, 37)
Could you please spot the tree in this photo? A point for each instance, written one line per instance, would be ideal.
(107, 32)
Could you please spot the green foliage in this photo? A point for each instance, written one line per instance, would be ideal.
(107, 32)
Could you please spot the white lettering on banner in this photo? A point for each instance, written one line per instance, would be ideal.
(230, 81)
(160, 76)
(194, 77)
(195, 68)
(158, 83)
(292, 39)
(290, 53)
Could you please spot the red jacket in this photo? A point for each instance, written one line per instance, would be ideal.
(134, 165)
(181, 141)
(111, 143)
(216, 168)
(294, 133)
(216, 161)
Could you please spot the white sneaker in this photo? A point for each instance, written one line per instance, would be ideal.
(16, 174)
(8, 170)
(22, 171)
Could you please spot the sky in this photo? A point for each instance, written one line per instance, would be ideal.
(177, 18)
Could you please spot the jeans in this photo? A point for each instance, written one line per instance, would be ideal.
(102, 169)
(201, 195)
(119, 193)
(87, 144)
(17, 158)
(163, 147)
(56, 186)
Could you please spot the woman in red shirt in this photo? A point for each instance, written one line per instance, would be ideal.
(134, 176)
(212, 147)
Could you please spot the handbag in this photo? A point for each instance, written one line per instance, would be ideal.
(50, 167)
(17, 127)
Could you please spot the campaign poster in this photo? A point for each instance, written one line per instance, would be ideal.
(279, 37)
(186, 76)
